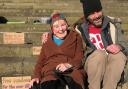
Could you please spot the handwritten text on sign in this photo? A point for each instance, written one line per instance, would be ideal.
(13, 38)
(16, 82)
(36, 50)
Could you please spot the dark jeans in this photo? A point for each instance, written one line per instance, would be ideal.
(53, 84)
(58, 84)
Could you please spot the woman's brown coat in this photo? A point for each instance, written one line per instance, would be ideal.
(70, 51)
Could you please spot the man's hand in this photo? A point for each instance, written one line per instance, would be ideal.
(44, 37)
(34, 80)
(113, 48)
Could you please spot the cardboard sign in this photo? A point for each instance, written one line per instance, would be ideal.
(22, 82)
(36, 50)
(13, 38)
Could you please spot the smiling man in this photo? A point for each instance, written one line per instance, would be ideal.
(105, 59)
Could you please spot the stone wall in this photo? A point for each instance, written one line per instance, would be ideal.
(21, 9)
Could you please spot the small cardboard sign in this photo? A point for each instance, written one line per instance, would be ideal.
(22, 82)
(13, 38)
(36, 50)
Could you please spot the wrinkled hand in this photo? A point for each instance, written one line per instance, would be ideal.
(114, 48)
(34, 80)
(63, 67)
(44, 37)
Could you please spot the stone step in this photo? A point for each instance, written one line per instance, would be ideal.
(17, 1)
(41, 27)
(28, 38)
(16, 66)
(48, 5)
(15, 50)
(37, 12)
(35, 1)
(116, 13)
(23, 27)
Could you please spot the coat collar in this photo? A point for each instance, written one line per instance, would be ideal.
(106, 21)
(70, 37)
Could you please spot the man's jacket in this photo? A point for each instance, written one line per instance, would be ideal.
(111, 34)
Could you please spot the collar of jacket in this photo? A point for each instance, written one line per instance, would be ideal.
(86, 35)
(106, 21)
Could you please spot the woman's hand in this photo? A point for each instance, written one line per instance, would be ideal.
(63, 67)
(34, 80)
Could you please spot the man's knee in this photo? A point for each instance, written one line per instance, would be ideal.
(98, 54)
(119, 57)
(96, 59)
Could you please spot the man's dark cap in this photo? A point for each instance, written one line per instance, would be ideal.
(91, 6)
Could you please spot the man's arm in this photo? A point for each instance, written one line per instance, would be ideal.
(116, 31)
(44, 37)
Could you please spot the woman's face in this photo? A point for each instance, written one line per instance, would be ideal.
(59, 28)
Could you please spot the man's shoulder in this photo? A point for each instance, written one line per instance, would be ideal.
(114, 19)
(79, 22)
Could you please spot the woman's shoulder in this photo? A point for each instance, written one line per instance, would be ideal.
(72, 30)
(76, 33)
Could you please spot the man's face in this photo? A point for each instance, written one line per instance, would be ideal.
(96, 18)
(59, 28)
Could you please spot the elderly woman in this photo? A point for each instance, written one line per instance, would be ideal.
(61, 52)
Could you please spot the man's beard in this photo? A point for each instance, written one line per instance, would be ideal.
(97, 22)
